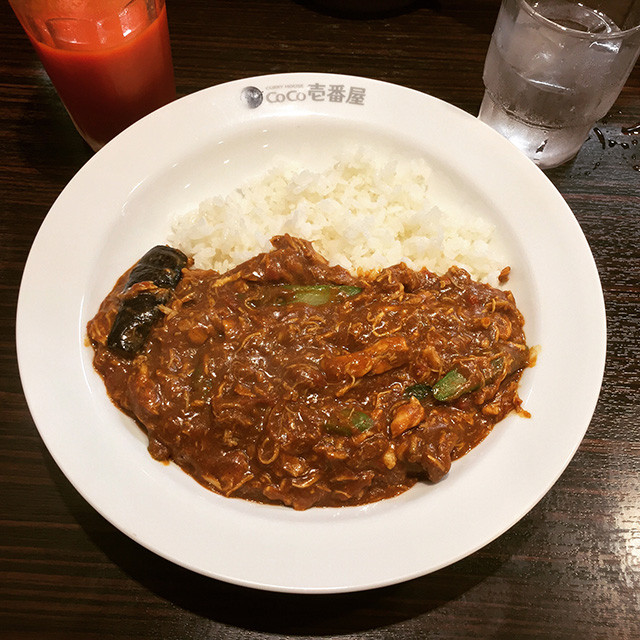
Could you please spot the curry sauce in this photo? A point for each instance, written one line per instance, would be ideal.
(289, 381)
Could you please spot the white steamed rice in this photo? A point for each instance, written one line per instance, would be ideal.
(365, 212)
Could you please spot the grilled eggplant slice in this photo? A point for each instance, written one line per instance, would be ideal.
(162, 268)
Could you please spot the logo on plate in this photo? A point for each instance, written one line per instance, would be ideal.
(313, 92)
(252, 96)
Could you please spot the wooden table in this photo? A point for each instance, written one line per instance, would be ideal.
(568, 569)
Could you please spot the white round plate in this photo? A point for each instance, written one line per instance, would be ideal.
(119, 205)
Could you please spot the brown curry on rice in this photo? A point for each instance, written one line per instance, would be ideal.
(290, 381)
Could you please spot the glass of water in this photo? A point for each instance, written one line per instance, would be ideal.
(555, 67)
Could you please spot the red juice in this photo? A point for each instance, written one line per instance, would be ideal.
(109, 83)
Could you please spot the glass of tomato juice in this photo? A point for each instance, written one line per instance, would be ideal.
(109, 60)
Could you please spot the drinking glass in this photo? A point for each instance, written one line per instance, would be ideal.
(554, 68)
(109, 60)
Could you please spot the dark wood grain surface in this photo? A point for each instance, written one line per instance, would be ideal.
(569, 569)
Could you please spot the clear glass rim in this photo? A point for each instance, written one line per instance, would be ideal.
(618, 35)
